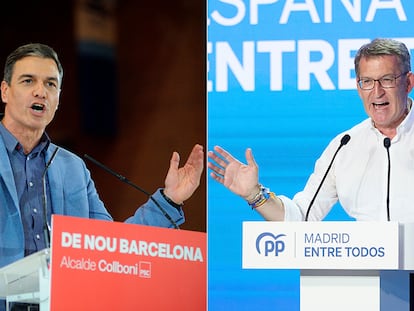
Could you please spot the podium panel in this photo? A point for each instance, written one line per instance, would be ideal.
(354, 266)
(100, 265)
(27, 280)
(344, 289)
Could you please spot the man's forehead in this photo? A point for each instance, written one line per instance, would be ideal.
(34, 66)
(379, 63)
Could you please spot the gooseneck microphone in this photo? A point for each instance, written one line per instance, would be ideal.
(387, 144)
(344, 140)
(125, 180)
(46, 225)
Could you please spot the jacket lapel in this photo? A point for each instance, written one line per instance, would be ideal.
(55, 180)
(7, 174)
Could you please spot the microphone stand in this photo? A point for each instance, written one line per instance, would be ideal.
(345, 139)
(387, 144)
(46, 225)
(125, 180)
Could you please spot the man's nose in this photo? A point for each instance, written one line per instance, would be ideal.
(378, 89)
(39, 90)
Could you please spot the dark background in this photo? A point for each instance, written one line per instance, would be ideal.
(128, 101)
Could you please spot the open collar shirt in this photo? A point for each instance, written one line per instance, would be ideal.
(358, 178)
(28, 171)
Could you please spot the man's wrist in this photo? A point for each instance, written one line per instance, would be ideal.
(170, 201)
(254, 194)
(261, 197)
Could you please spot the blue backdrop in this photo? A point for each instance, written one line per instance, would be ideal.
(280, 80)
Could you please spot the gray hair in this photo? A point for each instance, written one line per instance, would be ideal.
(380, 47)
(31, 49)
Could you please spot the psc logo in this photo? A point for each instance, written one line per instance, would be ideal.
(270, 244)
(145, 269)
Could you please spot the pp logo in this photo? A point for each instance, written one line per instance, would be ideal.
(271, 244)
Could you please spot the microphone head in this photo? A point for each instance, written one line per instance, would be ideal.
(387, 142)
(345, 139)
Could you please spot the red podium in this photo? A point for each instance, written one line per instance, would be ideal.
(100, 265)
(354, 266)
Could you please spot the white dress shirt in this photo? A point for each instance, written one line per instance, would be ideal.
(358, 177)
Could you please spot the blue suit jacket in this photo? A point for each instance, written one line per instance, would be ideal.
(73, 193)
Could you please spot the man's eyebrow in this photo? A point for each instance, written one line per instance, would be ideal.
(28, 75)
(53, 79)
(25, 75)
(369, 78)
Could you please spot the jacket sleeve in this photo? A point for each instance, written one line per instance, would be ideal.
(157, 212)
(75, 194)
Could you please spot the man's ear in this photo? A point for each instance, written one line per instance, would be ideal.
(410, 81)
(4, 89)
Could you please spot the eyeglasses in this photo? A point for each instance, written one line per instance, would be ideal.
(385, 82)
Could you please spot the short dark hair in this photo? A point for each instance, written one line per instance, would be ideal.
(31, 49)
(379, 47)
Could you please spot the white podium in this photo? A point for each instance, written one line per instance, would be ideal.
(343, 265)
(27, 280)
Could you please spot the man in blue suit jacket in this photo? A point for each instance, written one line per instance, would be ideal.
(30, 90)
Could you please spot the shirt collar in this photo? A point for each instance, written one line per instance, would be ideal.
(408, 122)
(13, 144)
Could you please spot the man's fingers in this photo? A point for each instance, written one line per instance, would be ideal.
(175, 160)
(249, 157)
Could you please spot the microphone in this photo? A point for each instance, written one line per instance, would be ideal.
(125, 180)
(344, 140)
(46, 225)
(387, 144)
